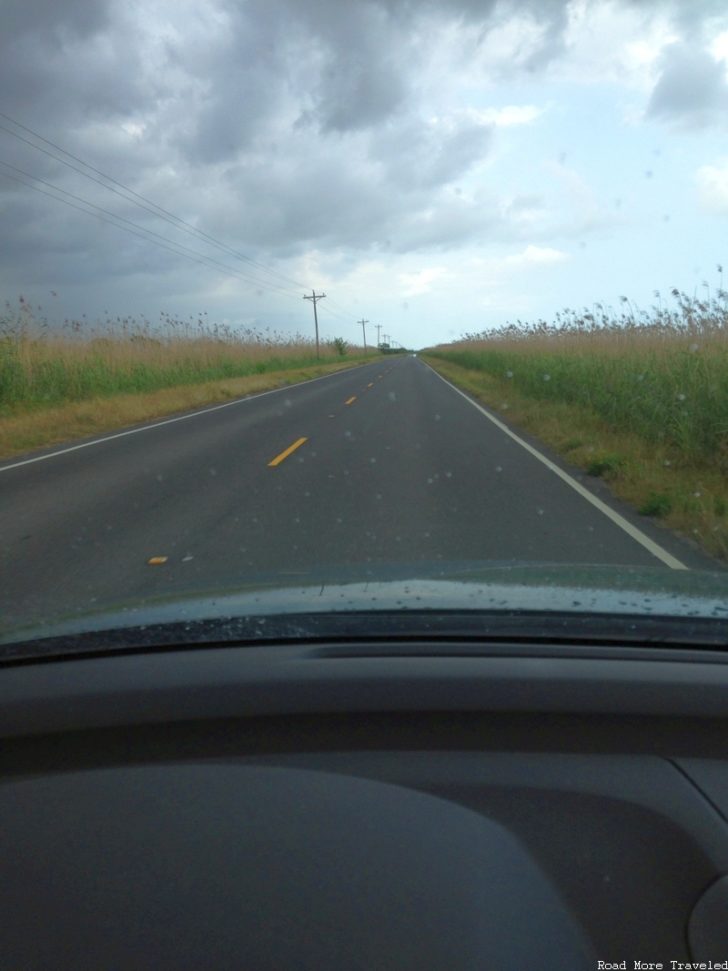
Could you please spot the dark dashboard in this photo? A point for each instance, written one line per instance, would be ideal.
(328, 805)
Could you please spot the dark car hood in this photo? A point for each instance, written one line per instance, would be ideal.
(479, 593)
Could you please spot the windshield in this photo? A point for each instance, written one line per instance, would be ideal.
(302, 296)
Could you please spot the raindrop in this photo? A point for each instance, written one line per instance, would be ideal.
(499, 468)
(509, 374)
(547, 377)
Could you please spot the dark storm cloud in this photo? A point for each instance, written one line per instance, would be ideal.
(692, 86)
(64, 63)
(276, 125)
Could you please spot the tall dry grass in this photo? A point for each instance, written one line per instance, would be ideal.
(42, 366)
(661, 373)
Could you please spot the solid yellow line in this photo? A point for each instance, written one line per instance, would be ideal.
(284, 455)
(353, 398)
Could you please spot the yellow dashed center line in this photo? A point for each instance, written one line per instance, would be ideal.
(370, 385)
(284, 455)
(353, 398)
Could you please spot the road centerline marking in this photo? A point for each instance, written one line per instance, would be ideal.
(286, 452)
(633, 531)
(350, 400)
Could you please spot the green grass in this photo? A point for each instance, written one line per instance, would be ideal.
(656, 504)
(605, 465)
(666, 393)
(639, 398)
(43, 368)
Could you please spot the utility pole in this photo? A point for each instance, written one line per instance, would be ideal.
(315, 296)
(364, 332)
(379, 327)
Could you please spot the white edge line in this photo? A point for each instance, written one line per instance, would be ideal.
(667, 558)
(169, 421)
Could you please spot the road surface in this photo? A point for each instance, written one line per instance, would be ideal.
(352, 473)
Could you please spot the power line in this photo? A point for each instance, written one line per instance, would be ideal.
(136, 230)
(144, 203)
(334, 313)
(135, 198)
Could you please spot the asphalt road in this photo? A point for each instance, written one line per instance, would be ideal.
(391, 465)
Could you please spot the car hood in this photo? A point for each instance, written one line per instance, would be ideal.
(491, 595)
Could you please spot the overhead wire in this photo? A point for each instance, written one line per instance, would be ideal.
(135, 229)
(137, 198)
(142, 202)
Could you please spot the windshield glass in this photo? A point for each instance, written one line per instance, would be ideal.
(300, 296)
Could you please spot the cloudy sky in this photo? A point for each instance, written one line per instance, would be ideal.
(435, 166)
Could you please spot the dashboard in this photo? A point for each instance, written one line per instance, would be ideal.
(365, 806)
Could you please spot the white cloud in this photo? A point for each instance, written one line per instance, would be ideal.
(509, 115)
(712, 182)
(415, 284)
(536, 255)
(719, 47)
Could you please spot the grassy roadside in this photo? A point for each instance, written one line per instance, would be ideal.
(683, 489)
(79, 419)
(59, 383)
